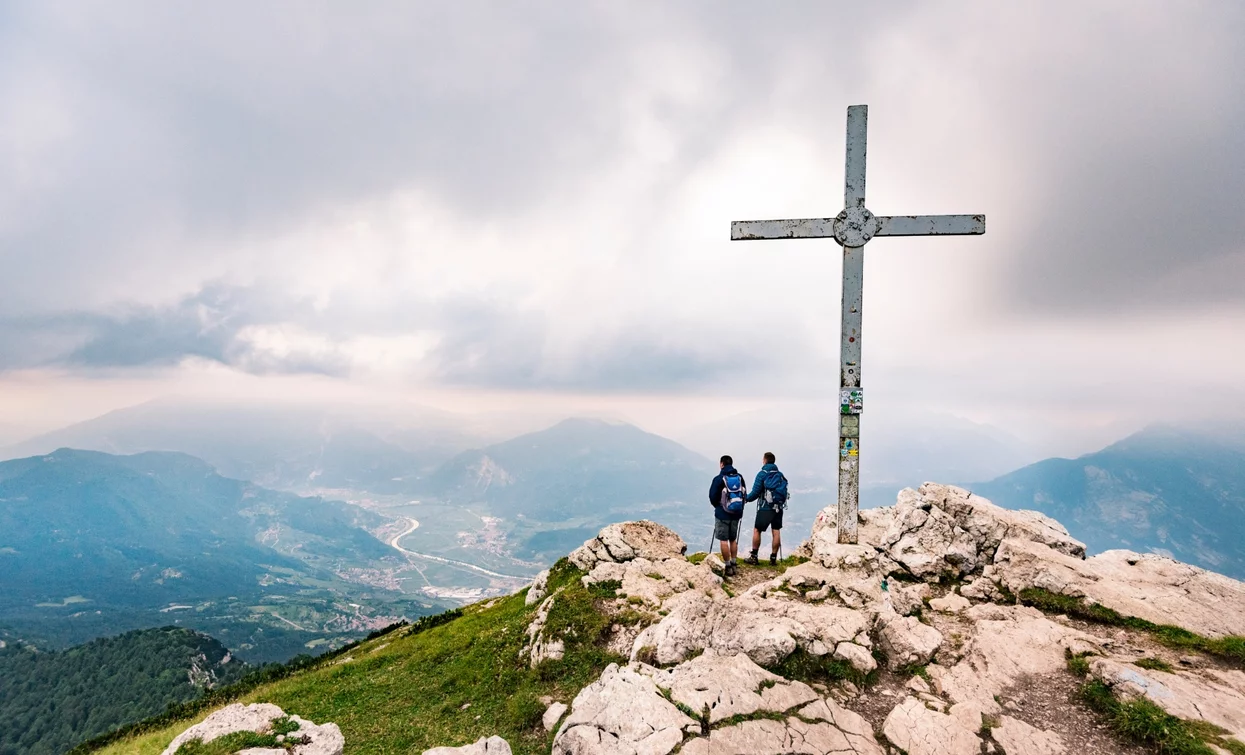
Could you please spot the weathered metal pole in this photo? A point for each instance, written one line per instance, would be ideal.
(852, 228)
(850, 389)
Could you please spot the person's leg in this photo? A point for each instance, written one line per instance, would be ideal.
(726, 551)
(776, 537)
(756, 545)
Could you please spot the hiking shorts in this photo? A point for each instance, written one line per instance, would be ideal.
(726, 529)
(767, 518)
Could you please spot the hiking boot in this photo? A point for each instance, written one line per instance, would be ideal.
(752, 560)
(729, 571)
(773, 559)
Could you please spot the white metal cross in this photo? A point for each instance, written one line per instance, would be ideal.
(852, 228)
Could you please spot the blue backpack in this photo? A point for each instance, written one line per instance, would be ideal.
(775, 490)
(733, 494)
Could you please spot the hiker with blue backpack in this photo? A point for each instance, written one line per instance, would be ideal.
(770, 488)
(728, 494)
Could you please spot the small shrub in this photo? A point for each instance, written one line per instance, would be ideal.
(607, 588)
(647, 654)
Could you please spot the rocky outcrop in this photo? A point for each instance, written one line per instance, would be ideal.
(1150, 587)
(942, 530)
(312, 739)
(654, 581)
(540, 646)
(482, 746)
(539, 589)
(917, 730)
(627, 541)
(1019, 738)
(906, 641)
(622, 712)
(767, 630)
(779, 715)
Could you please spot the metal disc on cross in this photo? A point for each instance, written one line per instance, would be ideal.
(853, 228)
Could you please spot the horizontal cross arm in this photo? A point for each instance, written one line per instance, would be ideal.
(931, 225)
(755, 230)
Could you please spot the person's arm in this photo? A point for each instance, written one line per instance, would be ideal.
(715, 491)
(758, 487)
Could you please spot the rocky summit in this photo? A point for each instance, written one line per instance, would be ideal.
(953, 627)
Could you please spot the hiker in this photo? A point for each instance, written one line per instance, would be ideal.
(727, 494)
(770, 488)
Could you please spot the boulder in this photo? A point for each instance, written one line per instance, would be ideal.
(1150, 587)
(626, 541)
(1019, 738)
(917, 730)
(950, 603)
(655, 581)
(767, 630)
(906, 641)
(622, 712)
(729, 686)
(942, 530)
(483, 746)
(322, 739)
(908, 599)
(553, 714)
(859, 657)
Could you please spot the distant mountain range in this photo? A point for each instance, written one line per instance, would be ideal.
(1178, 492)
(582, 472)
(92, 544)
(284, 447)
(50, 701)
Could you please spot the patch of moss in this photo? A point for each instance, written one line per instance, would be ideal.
(805, 667)
(1153, 664)
(696, 558)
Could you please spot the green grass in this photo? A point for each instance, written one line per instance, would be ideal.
(228, 744)
(1153, 664)
(1078, 663)
(408, 695)
(1230, 648)
(1146, 723)
(805, 667)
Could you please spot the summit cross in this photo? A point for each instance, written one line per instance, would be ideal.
(852, 228)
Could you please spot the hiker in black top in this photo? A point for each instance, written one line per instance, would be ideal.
(769, 511)
(726, 524)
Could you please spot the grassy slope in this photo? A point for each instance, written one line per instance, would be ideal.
(404, 692)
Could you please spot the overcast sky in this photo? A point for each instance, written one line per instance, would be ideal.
(483, 205)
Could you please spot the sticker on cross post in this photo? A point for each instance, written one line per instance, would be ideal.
(851, 400)
(849, 447)
(849, 426)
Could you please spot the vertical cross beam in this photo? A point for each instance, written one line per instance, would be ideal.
(852, 228)
(849, 334)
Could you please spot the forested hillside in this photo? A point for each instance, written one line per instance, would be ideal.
(50, 701)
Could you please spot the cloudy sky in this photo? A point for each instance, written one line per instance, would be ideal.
(484, 205)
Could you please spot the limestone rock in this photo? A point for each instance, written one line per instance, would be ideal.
(730, 686)
(1007, 644)
(484, 746)
(1214, 696)
(1019, 738)
(950, 603)
(655, 581)
(1148, 586)
(626, 541)
(920, 731)
(538, 590)
(322, 739)
(907, 641)
(553, 714)
(766, 629)
(907, 599)
(859, 657)
(942, 529)
(540, 647)
(622, 712)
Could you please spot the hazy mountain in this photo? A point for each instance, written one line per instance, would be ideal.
(286, 447)
(899, 450)
(49, 701)
(581, 471)
(1164, 490)
(92, 544)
